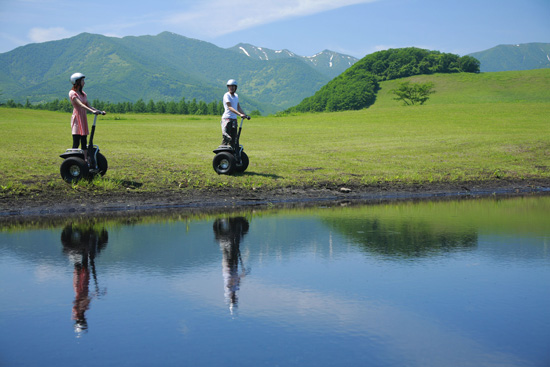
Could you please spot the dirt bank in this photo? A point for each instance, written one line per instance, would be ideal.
(52, 204)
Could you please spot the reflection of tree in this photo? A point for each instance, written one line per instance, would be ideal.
(82, 244)
(229, 232)
(404, 238)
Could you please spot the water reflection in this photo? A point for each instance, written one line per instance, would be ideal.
(229, 232)
(398, 237)
(82, 243)
(455, 283)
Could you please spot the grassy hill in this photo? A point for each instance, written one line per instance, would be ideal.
(476, 127)
(466, 88)
(356, 87)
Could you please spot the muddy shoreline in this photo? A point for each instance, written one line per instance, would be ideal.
(47, 205)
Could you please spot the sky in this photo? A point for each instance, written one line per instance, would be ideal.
(305, 27)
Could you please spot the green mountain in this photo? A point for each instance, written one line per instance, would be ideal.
(525, 56)
(162, 67)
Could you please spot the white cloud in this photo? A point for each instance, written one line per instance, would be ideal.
(218, 17)
(49, 34)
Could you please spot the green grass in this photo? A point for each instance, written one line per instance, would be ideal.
(475, 127)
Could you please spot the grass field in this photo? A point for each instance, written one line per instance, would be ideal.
(475, 127)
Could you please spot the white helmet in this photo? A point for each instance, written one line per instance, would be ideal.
(232, 82)
(76, 76)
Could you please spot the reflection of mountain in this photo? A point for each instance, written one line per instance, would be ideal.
(82, 244)
(229, 232)
(177, 245)
(403, 238)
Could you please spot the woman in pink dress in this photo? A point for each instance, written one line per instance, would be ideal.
(79, 120)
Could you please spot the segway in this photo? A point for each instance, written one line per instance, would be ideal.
(231, 158)
(75, 168)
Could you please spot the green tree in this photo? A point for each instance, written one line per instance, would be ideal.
(202, 108)
(469, 64)
(182, 107)
(65, 105)
(413, 93)
(150, 106)
(139, 106)
(192, 107)
(172, 107)
(160, 107)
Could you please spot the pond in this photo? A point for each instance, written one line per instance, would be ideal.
(427, 283)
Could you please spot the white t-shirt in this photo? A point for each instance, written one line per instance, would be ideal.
(234, 100)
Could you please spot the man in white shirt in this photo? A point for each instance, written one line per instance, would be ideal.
(232, 109)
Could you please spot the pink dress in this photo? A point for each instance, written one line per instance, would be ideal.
(79, 120)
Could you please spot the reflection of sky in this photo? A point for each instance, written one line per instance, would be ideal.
(407, 335)
(311, 292)
(509, 247)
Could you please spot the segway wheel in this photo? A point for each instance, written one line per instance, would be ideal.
(243, 165)
(102, 164)
(224, 163)
(74, 169)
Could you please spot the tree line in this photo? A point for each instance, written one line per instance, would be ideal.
(182, 107)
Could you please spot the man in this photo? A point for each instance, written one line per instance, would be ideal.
(232, 109)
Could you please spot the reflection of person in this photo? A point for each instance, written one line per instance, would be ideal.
(79, 119)
(232, 109)
(229, 232)
(81, 245)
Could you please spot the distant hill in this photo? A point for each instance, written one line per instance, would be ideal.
(356, 87)
(525, 56)
(162, 67)
(326, 62)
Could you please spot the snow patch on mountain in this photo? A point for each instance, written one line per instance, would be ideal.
(247, 54)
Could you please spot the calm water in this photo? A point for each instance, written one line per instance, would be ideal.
(455, 283)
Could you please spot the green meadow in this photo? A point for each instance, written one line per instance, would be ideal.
(476, 127)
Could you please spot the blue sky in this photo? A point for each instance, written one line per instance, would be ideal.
(352, 27)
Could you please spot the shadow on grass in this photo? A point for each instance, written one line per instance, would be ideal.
(259, 174)
(125, 183)
(131, 183)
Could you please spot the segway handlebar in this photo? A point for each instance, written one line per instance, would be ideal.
(98, 112)
(242, 119)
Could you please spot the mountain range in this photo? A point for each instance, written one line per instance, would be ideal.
(170, 67)
(526, 56)
(165, 67)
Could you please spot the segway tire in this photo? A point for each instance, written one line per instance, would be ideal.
(224, 163)
(74, 169)
(243, 165)
(102, 164)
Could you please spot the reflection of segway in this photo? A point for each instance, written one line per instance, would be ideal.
(231, 158)
(74, 167)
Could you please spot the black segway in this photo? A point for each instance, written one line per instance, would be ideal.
(75, 168)
(231, 158)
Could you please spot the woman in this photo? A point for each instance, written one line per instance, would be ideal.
(79, 120)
